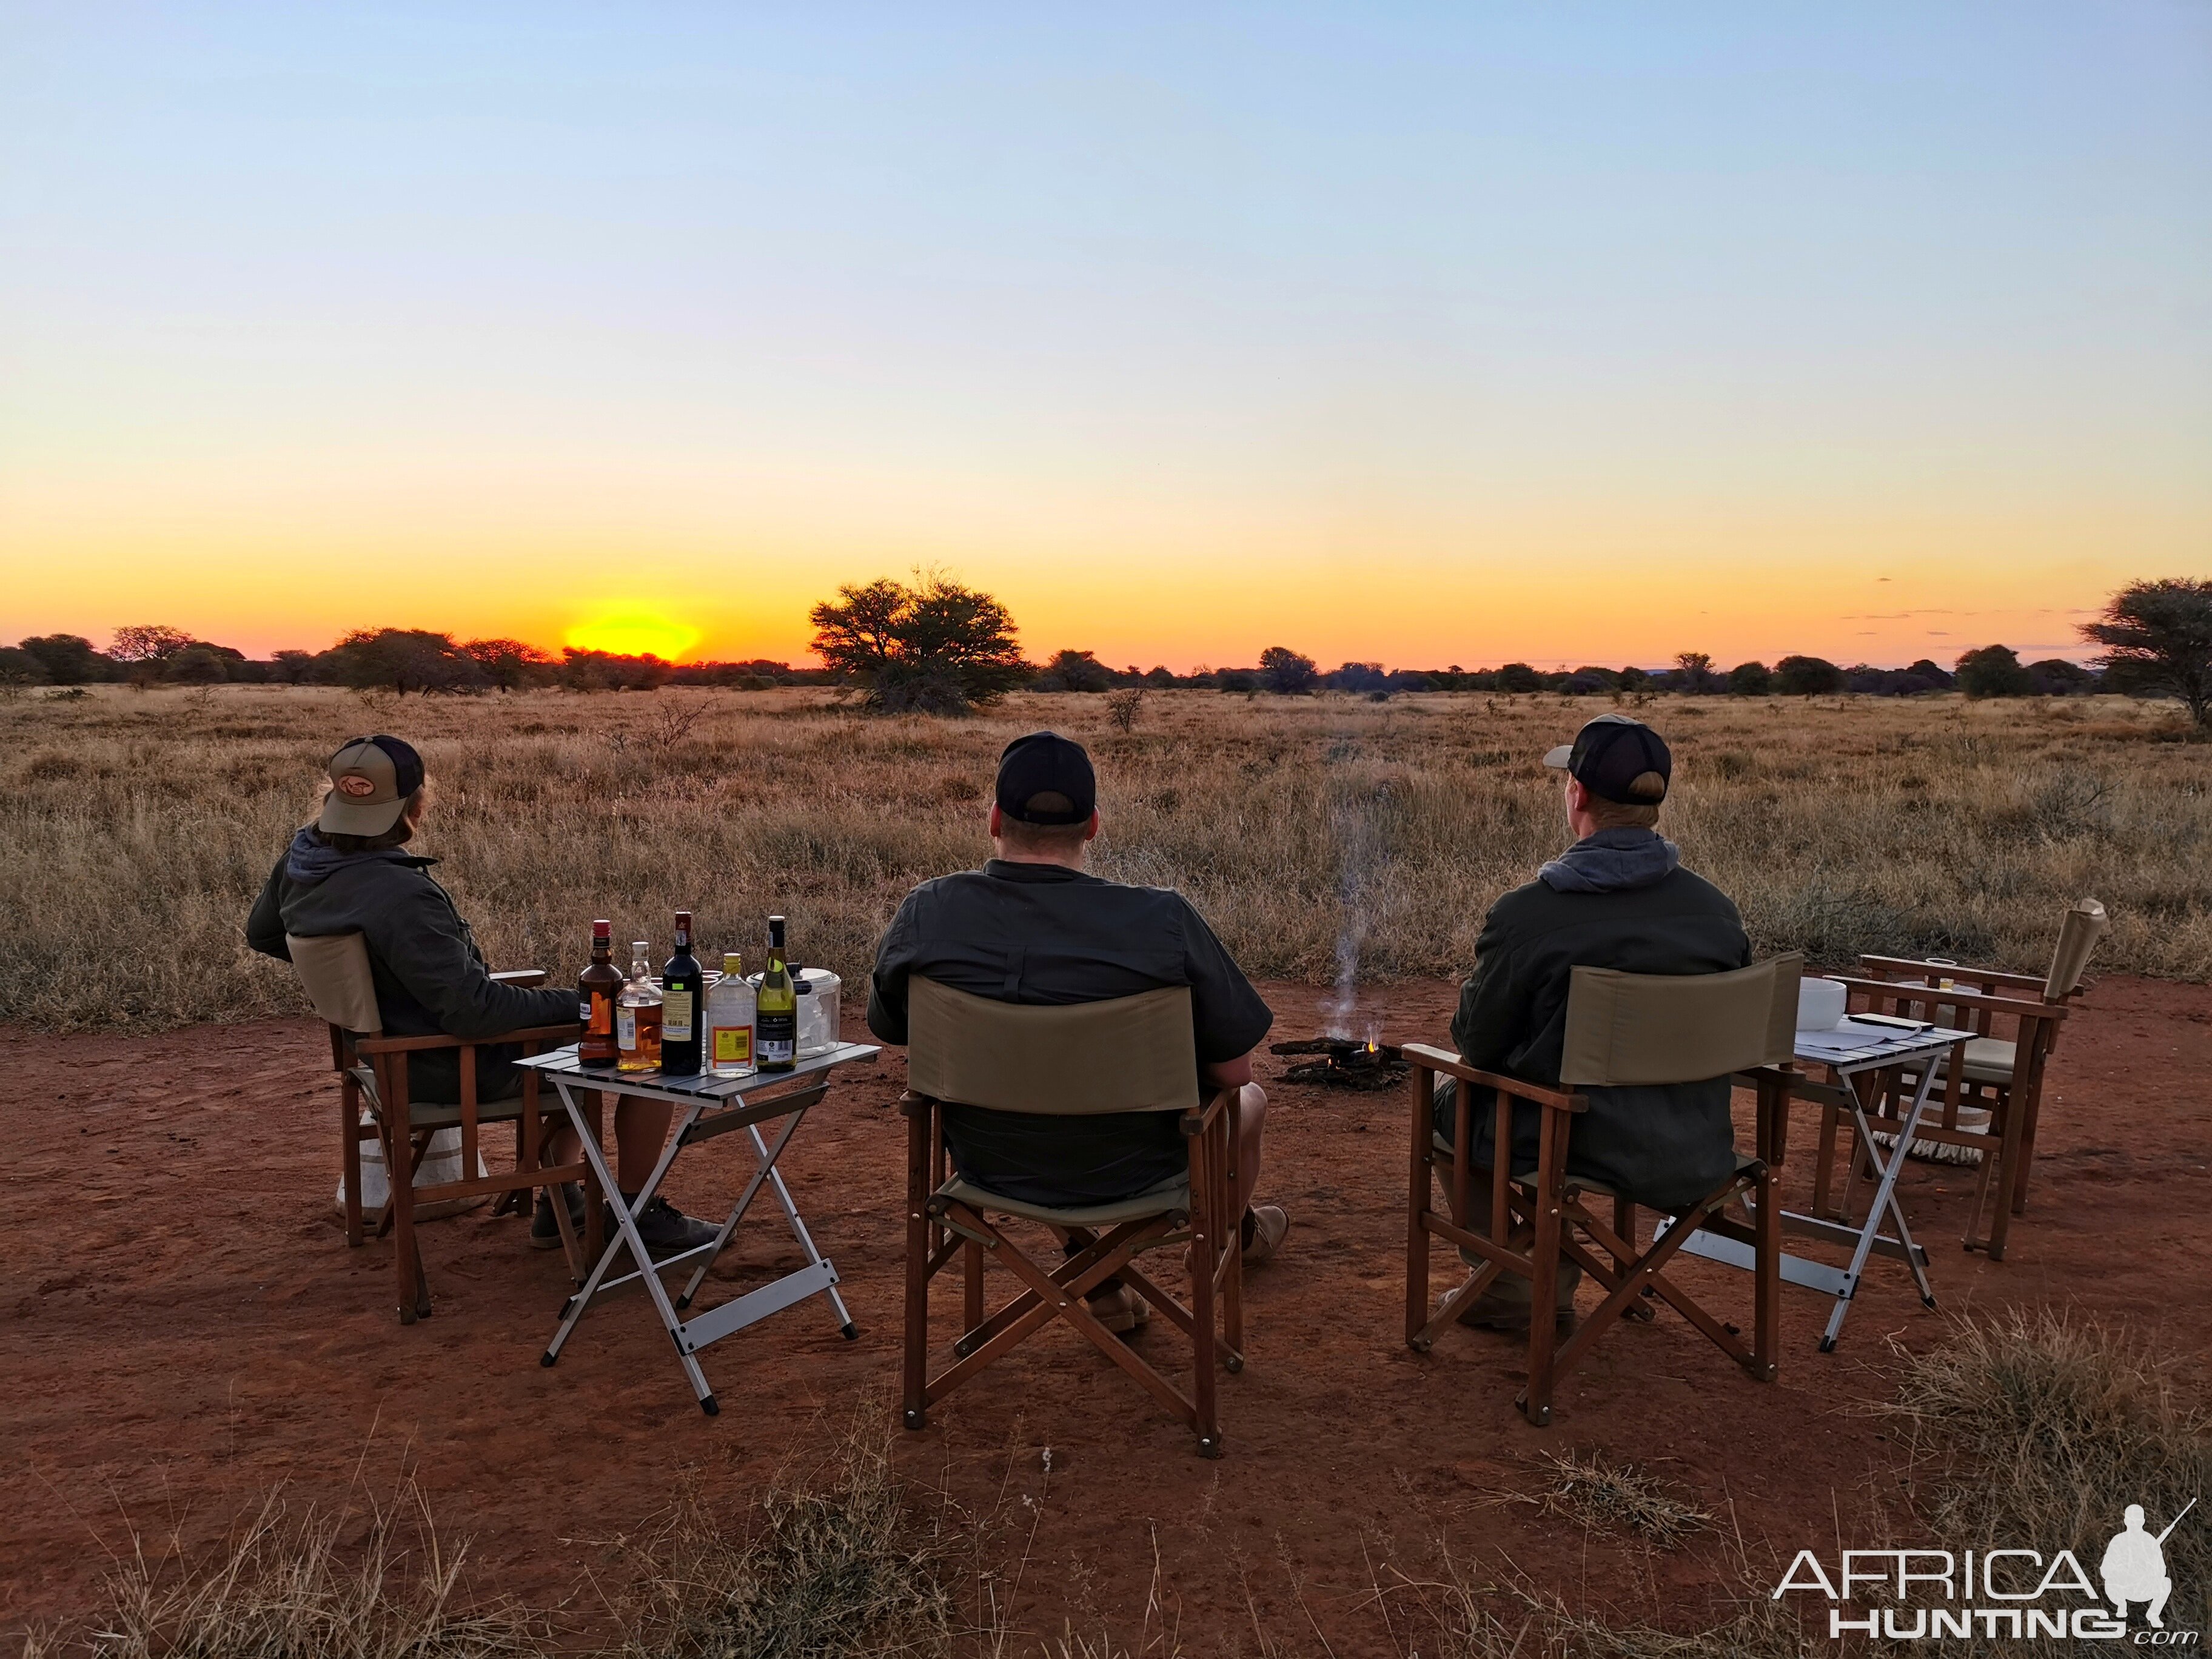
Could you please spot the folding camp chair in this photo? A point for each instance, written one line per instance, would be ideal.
(1987, 1102)
(372, 1068)
(1131, 1053)
(1622, 1029)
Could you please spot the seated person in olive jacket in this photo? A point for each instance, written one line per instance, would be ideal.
(347, 873)
(1618, 898)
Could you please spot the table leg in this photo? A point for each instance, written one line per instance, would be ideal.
(845, 1326)
(1884, 1202)
(744, 1203)
(626, 1216)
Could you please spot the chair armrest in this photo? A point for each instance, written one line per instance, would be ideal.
(520, 977)
(2018, 1007)
(1198, 1122)
(416, 1044)
(1987, 976)
(1442, 1060)
(911, 1104)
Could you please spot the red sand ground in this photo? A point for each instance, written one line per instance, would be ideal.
(181, 1325)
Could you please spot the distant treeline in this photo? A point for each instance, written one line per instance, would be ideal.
(417, 659)
(1993, 671)
(393, 658)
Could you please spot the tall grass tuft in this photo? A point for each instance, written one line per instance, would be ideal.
(832, 1567)
(299, 1585)
(2034, 1430)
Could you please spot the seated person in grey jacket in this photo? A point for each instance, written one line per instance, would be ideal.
(1618, 898)
(347, 873)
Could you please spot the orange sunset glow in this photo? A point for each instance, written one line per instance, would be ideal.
(1678, 336)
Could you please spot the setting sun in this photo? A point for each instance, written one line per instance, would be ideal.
(633, 632)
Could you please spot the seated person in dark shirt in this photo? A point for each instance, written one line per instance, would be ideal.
(1618, 898)
(1030, 927)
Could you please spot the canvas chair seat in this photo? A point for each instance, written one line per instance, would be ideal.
(1576, 1184)
(1128, 1053)
(446, 1115)
(1621, 1029)
(334, 971)
(1171, 1197)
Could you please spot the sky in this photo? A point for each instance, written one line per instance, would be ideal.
(1565, 332)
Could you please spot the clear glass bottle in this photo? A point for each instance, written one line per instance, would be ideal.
(637, 1014)
(730, 1019)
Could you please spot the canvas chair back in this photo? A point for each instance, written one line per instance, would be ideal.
(2084, 925)
(1625, 1028)
(1134, 1053)
(334, 970)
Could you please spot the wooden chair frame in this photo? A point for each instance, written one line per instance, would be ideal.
(939, 1227)
(383, 1060)
(1533, 1219)
(1976, 1002)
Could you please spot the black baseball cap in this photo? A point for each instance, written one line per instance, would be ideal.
(1046, 779)
(371, 779)
(1616, 759)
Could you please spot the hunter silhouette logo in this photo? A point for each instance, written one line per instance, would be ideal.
(1917, 1594)
(2134, 1567)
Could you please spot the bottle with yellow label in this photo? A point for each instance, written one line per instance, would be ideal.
(730, 1019)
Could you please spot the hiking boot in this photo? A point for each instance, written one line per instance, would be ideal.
(544, 1229)
(667, 1230)
(1265, 1225)
(1119, 1309)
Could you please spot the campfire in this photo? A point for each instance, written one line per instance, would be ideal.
(1344, 1063)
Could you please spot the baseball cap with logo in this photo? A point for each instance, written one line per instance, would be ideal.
(1046, 779)
(1616, 759)
(371, 779)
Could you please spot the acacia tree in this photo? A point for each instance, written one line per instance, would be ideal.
(2158, 637)
(404, 658)
(1697, 669)
(934, 648)
(1287, 670)
(149, 642)
(1994, 670)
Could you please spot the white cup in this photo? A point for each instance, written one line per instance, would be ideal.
(1820, 1004)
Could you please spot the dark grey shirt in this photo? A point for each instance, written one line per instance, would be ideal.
(1044, 933)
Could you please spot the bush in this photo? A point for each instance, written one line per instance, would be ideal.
(1750, 679)
(1994, 670)
(1286, 671)
(1806, 677)
(1519, 677)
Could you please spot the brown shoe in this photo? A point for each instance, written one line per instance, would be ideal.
(1121, 1310)
(1266, 1226)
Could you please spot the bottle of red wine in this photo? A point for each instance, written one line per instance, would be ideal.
(597, 989)
(683, 988)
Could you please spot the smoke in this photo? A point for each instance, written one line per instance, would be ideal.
(1351, 818)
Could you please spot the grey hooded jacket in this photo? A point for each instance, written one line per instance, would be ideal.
(1627, 903)
(430, 977)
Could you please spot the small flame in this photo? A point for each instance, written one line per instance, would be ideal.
(1371, 1048)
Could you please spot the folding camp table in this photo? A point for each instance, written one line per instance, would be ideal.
(1857, 1052)
(706, 1106)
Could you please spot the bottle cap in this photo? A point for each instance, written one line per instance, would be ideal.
(730, 965)
(602, 930)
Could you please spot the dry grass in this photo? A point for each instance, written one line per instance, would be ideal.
(139, 825)
(2033, 1430)
(833, 1566)
(1596, 1492)
(305, 1585)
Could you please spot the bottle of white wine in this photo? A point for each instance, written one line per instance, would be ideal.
(776, 1013)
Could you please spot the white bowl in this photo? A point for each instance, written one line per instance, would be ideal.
(1820, 1004)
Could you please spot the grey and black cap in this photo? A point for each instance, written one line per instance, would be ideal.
(1616, 759)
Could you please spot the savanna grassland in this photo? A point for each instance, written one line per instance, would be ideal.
(139, 824)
